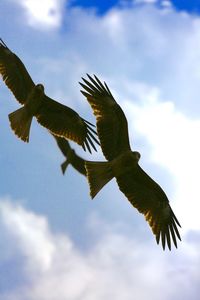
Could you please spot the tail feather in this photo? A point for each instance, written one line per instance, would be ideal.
(64, 166)
(98, 174)
(20, 122)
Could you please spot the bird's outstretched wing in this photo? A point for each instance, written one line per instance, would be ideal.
(77, 162)
(111, 122)
(63, 121)
(150, 200)
(14, 74)
(63, 145)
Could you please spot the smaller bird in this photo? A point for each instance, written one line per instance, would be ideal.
(122, 163)
(72, 158)
(59, 119)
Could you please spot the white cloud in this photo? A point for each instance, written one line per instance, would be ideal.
(162, 53)
(166, 3)
(145, 1)
(114, 267)
(45, 14)
(172, 137)
(32, 234)
(163, 3)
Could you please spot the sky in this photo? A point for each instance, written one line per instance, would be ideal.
(57, 243)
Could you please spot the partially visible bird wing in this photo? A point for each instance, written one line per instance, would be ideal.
(111, 122)
(75, 160)
(78, 163)
(65, 122)
(150, 200)
(14, 74)
(63, 145)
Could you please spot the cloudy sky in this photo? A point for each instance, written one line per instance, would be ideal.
(55, 242)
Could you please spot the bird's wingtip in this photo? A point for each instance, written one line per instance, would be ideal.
(2, 43)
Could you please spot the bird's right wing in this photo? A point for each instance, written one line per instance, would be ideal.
(111, 122)
(63, 121)
(150, 200)
(14, 74)
(63, 145)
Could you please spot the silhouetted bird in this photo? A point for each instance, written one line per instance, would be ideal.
(72, 158)
(56, 117)
(141, 190)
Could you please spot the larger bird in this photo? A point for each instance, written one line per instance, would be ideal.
(141, 190)
(56, 117)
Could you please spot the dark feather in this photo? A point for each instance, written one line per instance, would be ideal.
(111, 122)
(14, 74)
(57, 118)
(140, 189)
(150, 200)
(65, 122)
(72, 158)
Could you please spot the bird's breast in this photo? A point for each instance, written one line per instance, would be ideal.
(34, 101)
(124, 163)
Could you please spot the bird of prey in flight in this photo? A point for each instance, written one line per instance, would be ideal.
(72, 158)
(59, 119)
(122, 163)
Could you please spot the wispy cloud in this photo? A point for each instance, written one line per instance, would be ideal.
(115, 266)
(162, 3)
(45, 14)
(32, 234)
(170, 142)
(145, 1)
(152, 68)
(166, 91)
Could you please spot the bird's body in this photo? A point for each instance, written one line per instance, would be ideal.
(20, 120)
(59, 119)
(139, 188)
(35, 100)
(77, 162)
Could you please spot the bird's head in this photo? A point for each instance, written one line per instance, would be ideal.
(38, 91)
(40, 87)
(136, 155)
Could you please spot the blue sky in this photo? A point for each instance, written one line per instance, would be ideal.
(102, 7)
(52, 234)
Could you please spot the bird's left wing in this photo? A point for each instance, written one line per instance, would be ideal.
(111, 122)
(63, 121)
(150, 200)
(14, 74)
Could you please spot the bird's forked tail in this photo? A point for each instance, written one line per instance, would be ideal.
(64, 166)
(98, 174)
(20, 122)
